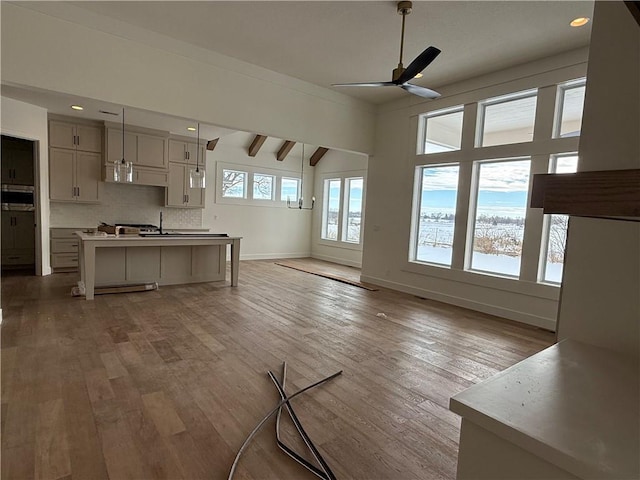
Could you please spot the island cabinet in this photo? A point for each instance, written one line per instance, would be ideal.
(179, 192)
(146, 149)
(64, 249)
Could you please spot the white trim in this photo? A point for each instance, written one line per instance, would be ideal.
(340, 261)
(518, 316)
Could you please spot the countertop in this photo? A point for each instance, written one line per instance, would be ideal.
(574, 405)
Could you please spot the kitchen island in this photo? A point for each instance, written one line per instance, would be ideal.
(107, 260)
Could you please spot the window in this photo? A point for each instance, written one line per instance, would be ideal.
(571, 104)
(555, 226)
(508, 119)
(263, 186)
(435, 213)
(501, 204)
(443, 130)
(234, 184)
(289, 189)
(331, 209)
(353, 210)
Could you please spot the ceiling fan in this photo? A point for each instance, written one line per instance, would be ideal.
(401, 75)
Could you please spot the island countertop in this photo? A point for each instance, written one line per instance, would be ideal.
(149, 261)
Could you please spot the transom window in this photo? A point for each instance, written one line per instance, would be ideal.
(508, 119)
(234, 184)
(442, 130)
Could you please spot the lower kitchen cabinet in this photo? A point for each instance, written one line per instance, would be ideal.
(18, 238)
(74, 176)
(179, 193)
(64, 249)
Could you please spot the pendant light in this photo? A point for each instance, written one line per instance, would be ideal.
(300, 205)
(196, 175)
(122, 169)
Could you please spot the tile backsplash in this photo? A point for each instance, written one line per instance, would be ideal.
(125, 204)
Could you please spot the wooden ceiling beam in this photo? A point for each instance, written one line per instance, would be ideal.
(211, 144)
(256, 144)
(285, 149)
(317, 155)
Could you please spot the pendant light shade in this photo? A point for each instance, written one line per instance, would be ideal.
(122, 169)
(196, 175)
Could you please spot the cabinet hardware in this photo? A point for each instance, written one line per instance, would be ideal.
(187, 155)
(78, 137)
(13, 258)
(78, 190)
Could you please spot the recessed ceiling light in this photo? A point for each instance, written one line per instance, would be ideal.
(579, 22)
(191, 129)
(419, 75)
(77, 107)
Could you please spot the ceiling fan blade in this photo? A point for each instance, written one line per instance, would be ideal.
(419, 63)
(420, 91)
(366, 84)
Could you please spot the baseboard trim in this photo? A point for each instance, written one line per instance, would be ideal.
(273, 256)
(339, 261)
(515, 315)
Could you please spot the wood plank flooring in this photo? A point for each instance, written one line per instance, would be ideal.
(168, 383)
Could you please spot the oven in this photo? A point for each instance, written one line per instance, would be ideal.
(18, 197)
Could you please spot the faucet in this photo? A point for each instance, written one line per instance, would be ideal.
(160, 222)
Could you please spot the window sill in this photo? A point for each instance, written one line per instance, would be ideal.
(497, 282)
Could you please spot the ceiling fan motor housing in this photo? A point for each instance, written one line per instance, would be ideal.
(404, 8)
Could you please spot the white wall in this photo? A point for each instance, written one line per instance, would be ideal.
(601, 285)
(337, 164)
(390, 194)
(268, 230)
(136, 68)
(27, 121)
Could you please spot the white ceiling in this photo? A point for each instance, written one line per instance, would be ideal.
(349, 41)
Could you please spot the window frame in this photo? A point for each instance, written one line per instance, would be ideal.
(490, 102)
(250, 172)
(424, 120)
(340, 176)
(416, 209)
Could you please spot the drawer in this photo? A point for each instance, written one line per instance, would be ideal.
(64, 246)
(27, 258)
(64, 260)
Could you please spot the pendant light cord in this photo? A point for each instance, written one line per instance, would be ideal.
(123, 160)
(198, 150)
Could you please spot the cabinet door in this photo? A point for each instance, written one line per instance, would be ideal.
(61, 134)
(177, 151)
(151, 151)
(22, 162)
(88, 177)
(195, 196)
(114, 146)
(61, 173)
(89, 139)
(150, 176)
(8, 236)
(24, 230)
(175, 196)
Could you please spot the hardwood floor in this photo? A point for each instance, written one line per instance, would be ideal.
(168, 383)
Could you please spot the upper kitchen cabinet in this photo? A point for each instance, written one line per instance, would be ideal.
(74, 176)
(143, 147)
(183, 150)
(146, 149)
(75, 159)
(75, 136)
(17, 161)
(179, 192)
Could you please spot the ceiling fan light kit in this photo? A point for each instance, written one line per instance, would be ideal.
(400, 75)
